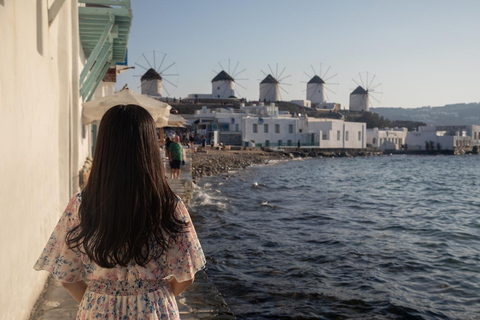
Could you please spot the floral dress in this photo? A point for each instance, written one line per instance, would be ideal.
(131, 292)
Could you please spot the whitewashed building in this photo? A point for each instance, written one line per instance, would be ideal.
(50, 63)
(223, 86)
(387, 139)
(359, 100)
(443, 137)
(151, 83)
(262, 126)
(269, 89)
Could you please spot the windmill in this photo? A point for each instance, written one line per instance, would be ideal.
(271, 85)
(368, 91)
(319, 81)
(225, 82)
(157, 72)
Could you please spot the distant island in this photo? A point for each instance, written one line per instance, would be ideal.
(450, 114)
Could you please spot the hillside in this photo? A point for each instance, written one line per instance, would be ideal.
(453, 114)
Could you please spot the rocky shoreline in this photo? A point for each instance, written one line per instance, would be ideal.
(215, 162)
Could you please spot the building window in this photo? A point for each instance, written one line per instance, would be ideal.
(277, 128)
(236, 127)
(255, 128)
(338, 135)
(265, 128)
(289, 142)
(290, 128)
(359, 135)
(346, 135)
(324, 136)
(374, 141)
(475, 136)
(279, 143)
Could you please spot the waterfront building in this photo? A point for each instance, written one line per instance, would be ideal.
(151, 83)
(387, 138)
(53, 58)
(266, 126)
(443, 137)
(269, 89)
(359, 100)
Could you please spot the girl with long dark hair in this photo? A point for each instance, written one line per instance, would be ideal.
(126, 232)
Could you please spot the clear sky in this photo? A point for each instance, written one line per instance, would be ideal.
(423, 52)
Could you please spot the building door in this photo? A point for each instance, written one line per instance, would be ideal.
(312, 139)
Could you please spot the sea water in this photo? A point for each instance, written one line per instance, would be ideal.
(393, 237)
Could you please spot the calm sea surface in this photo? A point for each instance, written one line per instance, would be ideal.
(347, 238)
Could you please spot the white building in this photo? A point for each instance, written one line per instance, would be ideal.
(267, 126)
(359, 100)
(151, 83)
(47, 70)
(316, 91)
(386, 139)
(443, 137)
(269, 89)
(223, 86)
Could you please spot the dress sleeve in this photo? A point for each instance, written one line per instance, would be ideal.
(185, 255)
(57, 258)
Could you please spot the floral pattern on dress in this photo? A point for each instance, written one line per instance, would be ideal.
(131, 292)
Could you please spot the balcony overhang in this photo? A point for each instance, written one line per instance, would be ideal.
(104, 29)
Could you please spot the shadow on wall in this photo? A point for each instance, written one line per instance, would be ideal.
(2, 3)
(39, 26)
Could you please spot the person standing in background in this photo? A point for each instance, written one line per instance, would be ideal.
(176, 153)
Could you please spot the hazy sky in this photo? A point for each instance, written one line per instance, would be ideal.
(422, 52)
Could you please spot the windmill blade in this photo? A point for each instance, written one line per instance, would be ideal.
(229, 66)
(263, 73)
(331, 77)
(311, 66)
(332, 83)
(330, 90)
(170, 75)
(241, 72)
(326, 72)
(154, 64)
(235, 67)
(320, 68)
(167, 68)
(356, 83)
(280, 95)
(284, 78)
(371, 81)
(286, 84)
(375, 92)
(370, 96)
(141, 66)
(280, 75)
(309, 77)
(238, 93)
(241, 79)
(375, 86)
(224, 89)
(171, 83)
(168, 93)
(270, 69)
(361, 80)
(161, 63)
(276, 71)
(326, 95)
(216, 72)
(146, 60)
(238, 84)
(221, 67)
(283, 90)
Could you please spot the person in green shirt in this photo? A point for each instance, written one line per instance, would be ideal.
(176, 152)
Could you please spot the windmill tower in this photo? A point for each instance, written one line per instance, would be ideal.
(367, 91)
(151, 83)
(317, 85)
(223, 86)
(269, 89)
(272, 84)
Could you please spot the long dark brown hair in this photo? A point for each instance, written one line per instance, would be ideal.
(127, 208)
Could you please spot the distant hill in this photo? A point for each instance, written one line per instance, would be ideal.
(451, 114)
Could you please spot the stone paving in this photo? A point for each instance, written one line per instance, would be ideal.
(200, 301)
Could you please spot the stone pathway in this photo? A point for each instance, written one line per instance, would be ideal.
(200, 301)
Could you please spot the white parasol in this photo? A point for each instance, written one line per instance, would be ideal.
(94, 110)
(174, 120)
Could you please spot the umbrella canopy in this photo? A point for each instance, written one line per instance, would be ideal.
(94, 110)
(174, 120)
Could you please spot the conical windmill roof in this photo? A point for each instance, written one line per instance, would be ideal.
(359, 90)
(223, 76)
(316, 79)
(151, 74)
(269, 79)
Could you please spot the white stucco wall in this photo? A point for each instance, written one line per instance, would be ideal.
(316, 93)
(43, 143)
(269, 92)
(387, 139)
(333, 133)
(359, 102)
(223, 89)
(152, 87)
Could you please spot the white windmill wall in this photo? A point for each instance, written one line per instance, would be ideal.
(359, 102)
(269, 92)
(316, 93)
(223, 89)
(152, 87)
